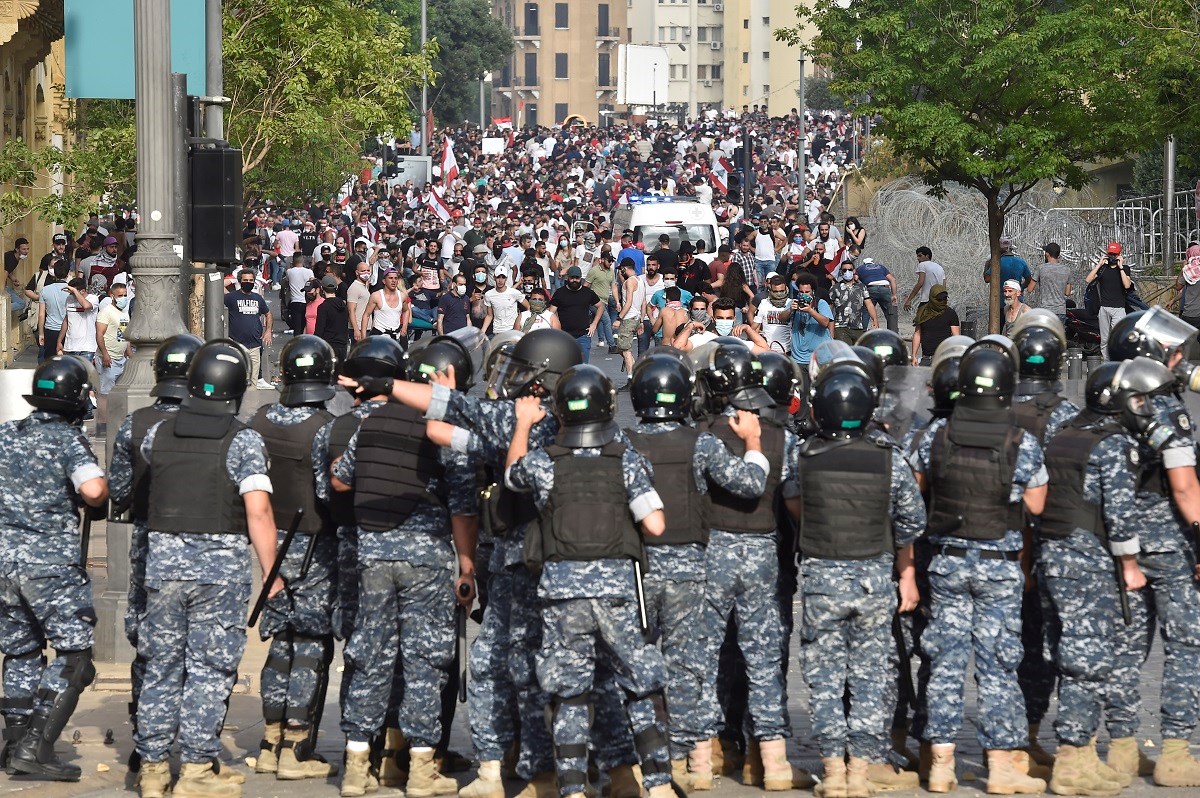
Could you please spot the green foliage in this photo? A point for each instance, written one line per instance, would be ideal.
(817, 95)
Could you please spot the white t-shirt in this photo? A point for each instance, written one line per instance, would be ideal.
(297, 278)
(81, 326)
(764, 246)
(778, 333)
(504, 308)
(934, 275)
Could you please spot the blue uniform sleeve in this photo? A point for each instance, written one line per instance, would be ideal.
(343, 469)
(639, 484)
(921, 454)
(533, 473)
(462, 489)
(492, 420)
(120, 466)
(246, 462)
(1030, 469)
(320, 462)
(907, 506)
(81, 463)
(742, 476)
(1116, 460)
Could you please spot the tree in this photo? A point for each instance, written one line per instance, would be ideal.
(471, 42)
(996, 95)
(309, 83)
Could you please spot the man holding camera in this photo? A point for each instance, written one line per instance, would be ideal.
(1112, 284)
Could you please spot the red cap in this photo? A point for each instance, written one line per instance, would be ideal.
(1114, 248)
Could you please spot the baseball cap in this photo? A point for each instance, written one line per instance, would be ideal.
(329, 282)
(574, 271)
(774, 276)
(480, 249)
(1114, 248)
(110, 240)
(1005, 243)
(59, 238)
(1013, 284)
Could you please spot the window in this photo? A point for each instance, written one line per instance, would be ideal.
(745, 58)
(560, 112)
(602, 19)
(746, 24)
(560, 15)
(767, 21)
(702, 71)
(717, 33)
(715, 71)
(662, 32)
(674, 33)
(745, 91)
(766, 90)
(560, 66)
(531, 19)
(602, 67)
(531, 72)
(683, 71)
(766, 55)
(702, 34)
(531, 119)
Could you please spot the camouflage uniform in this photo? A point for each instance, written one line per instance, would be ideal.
(977, 603)
(1165, 555)
(591, 602)
(406, 576)
(298, 620)
(743, 579)
(45, 597)
(1076, 575)
(846, 631)
(120, 488)
(674, 588)
(194, 630)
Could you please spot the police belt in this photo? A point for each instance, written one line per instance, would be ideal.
(984, 554)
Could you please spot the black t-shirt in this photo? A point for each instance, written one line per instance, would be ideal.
(454, 310)
(667, 259)
(1108, 281)
(574, 309)
(308, 242)
(11, 261)
(936, 330)
(245, 317)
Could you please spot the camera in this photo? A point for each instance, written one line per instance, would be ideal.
(1111, 259)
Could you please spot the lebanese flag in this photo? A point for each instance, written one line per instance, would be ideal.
(437, 204)
(719, 176)
(502, 122)
(449, 162)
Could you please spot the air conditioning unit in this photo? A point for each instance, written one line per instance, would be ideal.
(718, 7)
(687, 33)
(715, 45)
(708, 84)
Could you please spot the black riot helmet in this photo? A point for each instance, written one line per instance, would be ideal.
(307, 365)
(661, 388)
(1098, 392)
(375, 356)
(217, 378)
(986, 378)
(733, 375)
(441, 353)
(1153, 333)
(873, 363)
(171, 363)
(585, 402)
(1133, 384)
(1040, 351)
(784, 381)
(943, 386)
(887, 344)
(842, 401)
(61, 385)
(535, 364)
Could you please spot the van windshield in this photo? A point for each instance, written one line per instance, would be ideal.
(695, 233)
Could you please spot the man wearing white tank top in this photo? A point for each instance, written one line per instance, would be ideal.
(633, 301)
(388, 311)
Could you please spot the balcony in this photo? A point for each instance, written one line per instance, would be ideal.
(528, 32)
(608, 33)
(523, 82)
(606, 82)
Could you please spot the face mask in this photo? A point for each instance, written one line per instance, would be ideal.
(847, 275)
(778, 294)
(668, 283)
(527, 288)
(365, 277)
(798, 239)
(247, 287)
(121, 302)
(22, 257)
(460, 289)
(481, 278)
(537, 305)
(724, 326)
(699, 314)
(806, 298)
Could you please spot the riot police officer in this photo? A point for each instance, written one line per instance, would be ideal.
(684, 460)
(46, 595)
(130, 484)
(300, 623)
(595, 498)
(197, 570)
(979, 469)
(859, 512)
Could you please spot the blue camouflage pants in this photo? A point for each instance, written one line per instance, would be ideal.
(345, 608)
(41, 605)
(573, 632)
(525, 640)
(298, 621)
(491, 701)
(412, 610)
(846, 632)
(1037, 673)
(192, 637)
(1131, 647)
(138, 550)
(976, 609)
(742, 572)
(1081, 617)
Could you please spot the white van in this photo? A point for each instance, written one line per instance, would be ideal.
(682, 218)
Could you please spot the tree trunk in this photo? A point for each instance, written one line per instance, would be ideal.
(995, 229)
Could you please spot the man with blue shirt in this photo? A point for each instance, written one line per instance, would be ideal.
(628, 250)
(881, 287)
(812, 320)
(1012, 267)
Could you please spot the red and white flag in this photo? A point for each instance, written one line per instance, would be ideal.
(436, 203)
(719, 175)
(449, 162)
(502, 122)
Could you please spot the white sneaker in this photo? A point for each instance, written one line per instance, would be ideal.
(274, 286)
(263, 385)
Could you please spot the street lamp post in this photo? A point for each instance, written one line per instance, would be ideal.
(803, 137)
(424, 81)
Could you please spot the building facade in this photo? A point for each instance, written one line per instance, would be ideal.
(565, 63)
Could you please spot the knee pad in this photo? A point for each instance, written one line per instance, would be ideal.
(79, 670)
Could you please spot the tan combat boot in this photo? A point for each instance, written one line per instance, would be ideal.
(680, 774)
(1004, 777)
(661, 791)
(1176, 767)
(701, 766)
(358, 778)
(1106, 772)
(1038, 754)
(268, 748)
(292, 768)
(1124, 756)
(424, 780)
(228, 773)
(833, 780)
(625, 781)
(487, 784)
(941, 768)
(199, 781)
(153, 779)
(887, 777)
(727, 759)
(900, 746)
(1025, 765)
(857, 784)
(778, 773)
(543, 785)
(1074, 774)
(390, 772)
(752, 765)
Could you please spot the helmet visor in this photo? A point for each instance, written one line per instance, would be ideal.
(829, 353)
(1167, 329)
(510, 377)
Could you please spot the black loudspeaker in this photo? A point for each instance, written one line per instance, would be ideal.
(216, 204)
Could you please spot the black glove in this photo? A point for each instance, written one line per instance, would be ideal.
(374, 386)
(98, 513)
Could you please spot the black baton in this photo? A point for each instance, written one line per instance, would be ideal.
(273, 574)
(460, 629)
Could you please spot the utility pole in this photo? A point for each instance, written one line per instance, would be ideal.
(214, 128)
(1168, 228)
(158, 312)
(424, 81)
(481, 105)
(803, 141)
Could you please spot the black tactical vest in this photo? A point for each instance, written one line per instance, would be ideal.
(190, 488)
(973, 459)
(341, 503)
(686, 509)
(732, 513)
(141, 421)
(587, 515)
(291, 468)
(394, 463)
(1033, 414)
(845, 493)
(1067, 459)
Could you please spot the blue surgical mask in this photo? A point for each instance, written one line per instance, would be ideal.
(121, 302)
(724, 326)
